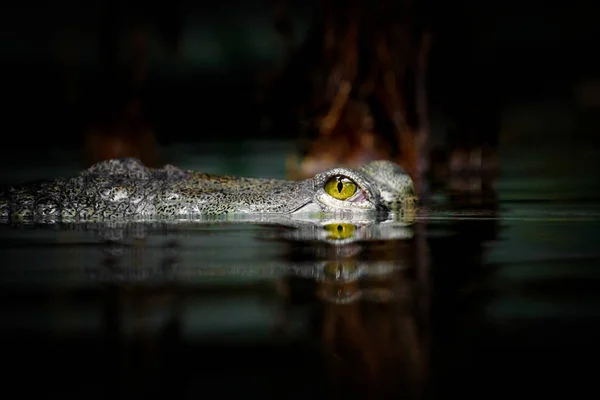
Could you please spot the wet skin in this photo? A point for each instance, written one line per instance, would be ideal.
(124, 189)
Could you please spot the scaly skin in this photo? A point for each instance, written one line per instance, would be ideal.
(124, 189)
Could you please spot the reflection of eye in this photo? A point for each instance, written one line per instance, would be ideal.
(340, 231)
(340, 187)
(340, 270)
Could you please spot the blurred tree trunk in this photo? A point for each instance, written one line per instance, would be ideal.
(357, 85)
(117, 125)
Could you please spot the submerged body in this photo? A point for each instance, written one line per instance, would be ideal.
(123, 189)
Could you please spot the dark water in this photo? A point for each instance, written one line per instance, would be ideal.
(474, 300)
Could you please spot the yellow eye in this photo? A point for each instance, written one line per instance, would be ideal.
(340, 188)
(340, 231)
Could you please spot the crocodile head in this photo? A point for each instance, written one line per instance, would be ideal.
(376, 186)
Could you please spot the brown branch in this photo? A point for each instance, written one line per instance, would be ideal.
(422, 111)
(342, 78)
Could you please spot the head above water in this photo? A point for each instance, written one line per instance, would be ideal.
(124, 189)
(377, 186)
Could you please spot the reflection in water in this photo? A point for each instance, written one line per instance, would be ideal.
(356, 290)
(362, 305)
(366, 316)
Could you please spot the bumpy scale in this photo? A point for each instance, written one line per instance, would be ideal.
(124, 189)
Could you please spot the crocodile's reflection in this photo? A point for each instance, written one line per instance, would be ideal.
(370, 336)
(343, 232)
(364, 304)
(320, 242)
(361, 303)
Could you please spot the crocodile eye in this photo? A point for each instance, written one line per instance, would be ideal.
(340, 231)
(340, 187)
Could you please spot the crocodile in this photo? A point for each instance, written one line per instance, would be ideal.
(124, 189)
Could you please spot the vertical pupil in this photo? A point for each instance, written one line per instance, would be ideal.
(340, 186)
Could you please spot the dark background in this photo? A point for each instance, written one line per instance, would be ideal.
(206, 61)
